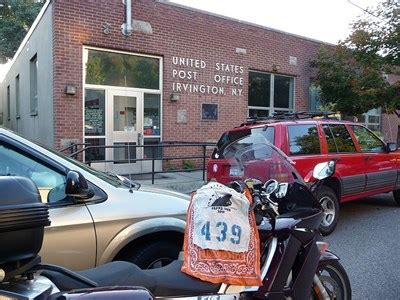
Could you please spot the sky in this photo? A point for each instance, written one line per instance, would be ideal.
(324, 20)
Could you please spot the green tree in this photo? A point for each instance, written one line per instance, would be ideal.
(352, 75)
(16, 17)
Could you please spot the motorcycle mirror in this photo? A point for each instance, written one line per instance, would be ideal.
(324, 170)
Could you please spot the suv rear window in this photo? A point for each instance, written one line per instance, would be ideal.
(231, 136)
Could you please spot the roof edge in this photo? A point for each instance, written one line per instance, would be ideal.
(168, 2)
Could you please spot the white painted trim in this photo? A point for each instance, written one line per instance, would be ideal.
(167, 2)
(120, 51)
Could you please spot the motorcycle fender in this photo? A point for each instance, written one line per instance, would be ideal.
(138, 230)
(326, 258)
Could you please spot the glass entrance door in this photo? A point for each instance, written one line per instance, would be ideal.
(125, 126)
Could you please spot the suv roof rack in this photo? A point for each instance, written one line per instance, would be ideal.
(284, 116)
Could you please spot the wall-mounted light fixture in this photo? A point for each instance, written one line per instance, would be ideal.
(70, 89)
(174, 97)
(276, 68)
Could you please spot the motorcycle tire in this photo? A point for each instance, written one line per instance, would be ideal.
(328, 199)
(335, 280)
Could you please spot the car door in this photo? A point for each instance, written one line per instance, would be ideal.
(70, 240)
(379, 164)
(349, 162)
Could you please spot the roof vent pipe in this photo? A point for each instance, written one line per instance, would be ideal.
(127, 27)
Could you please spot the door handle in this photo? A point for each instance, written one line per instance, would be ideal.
(367, 158)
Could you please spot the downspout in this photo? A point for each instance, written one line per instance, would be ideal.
(127, 27)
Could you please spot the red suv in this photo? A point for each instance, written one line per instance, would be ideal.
(365, 165)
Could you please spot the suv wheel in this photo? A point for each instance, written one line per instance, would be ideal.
(396, 196)
(152, 255)
(330, 204)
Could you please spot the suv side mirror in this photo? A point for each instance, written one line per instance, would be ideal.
(77, 186)
(324, 170)
(391, 147)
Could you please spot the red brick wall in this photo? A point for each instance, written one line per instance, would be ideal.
(176, 32)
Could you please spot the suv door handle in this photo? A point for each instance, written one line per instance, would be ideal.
(367, 158)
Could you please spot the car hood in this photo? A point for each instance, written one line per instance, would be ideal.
(163, 191)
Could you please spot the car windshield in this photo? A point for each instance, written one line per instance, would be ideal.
(231, 136)
(113, 179)
(259, 159)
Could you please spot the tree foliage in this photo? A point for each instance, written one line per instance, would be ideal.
(353, 75)
(16, 17)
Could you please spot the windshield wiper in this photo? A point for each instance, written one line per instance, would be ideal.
(125, 181)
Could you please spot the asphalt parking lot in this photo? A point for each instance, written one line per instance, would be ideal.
(367, 239)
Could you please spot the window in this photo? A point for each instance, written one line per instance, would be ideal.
(367, 140)
(95, 153)
(371, 119)
(33, 72)
(269, 93)
(17, 97)
(152, 112)
(50, 183)
(338, 139)
(95, 118)
(315, 97)
(304, 140)
(330, 140)
(8, 104)
(94, 112)
(116, 69)
(231, 136)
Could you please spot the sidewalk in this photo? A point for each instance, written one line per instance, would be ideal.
(184, 182)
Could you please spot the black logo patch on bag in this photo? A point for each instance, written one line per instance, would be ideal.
(223, 201)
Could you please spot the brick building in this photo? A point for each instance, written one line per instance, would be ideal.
(181, 75)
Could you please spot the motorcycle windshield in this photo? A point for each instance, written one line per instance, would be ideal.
(257, 158)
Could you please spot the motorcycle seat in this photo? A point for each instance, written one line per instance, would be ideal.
(165, 281)
(171, 281)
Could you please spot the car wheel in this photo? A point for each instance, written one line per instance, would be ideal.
(396, 196)
(152, 255)
(330, 204)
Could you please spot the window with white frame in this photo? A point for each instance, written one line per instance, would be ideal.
(372, 119)
(269, 93)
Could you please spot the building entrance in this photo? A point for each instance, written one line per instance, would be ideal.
(125, 131)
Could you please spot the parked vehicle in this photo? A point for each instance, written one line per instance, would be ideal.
(116, 219)
(365, 165)
(295, 262)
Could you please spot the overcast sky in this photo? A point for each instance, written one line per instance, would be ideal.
(324, 20)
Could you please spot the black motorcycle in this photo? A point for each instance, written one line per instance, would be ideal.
(295, 262)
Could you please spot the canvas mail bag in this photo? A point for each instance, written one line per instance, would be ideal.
(221, 242)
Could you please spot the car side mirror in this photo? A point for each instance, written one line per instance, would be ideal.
(391, 147)
(324, 170)
(77, 186)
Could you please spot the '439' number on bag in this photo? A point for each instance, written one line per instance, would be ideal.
(223, 232)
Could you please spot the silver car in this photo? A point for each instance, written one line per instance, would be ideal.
(96, 217)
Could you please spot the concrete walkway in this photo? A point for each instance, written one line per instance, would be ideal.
(184, 182)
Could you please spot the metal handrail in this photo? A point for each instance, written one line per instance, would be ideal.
(153, 157)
